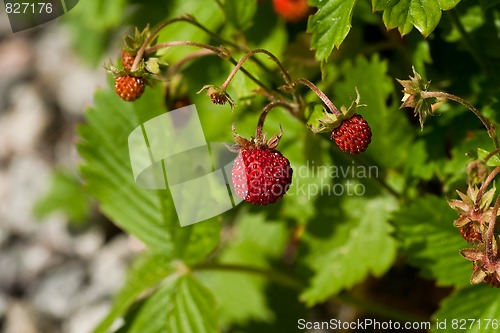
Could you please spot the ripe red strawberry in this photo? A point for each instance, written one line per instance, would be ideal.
(127, 60)
(129, 87)
(292, 10)
(354, 135)
(261, 175)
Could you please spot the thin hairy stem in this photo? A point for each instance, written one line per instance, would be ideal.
(490, 155)
(291, 282)
(275, 276)
(174, 68)
(151, 37)
(333, 109)
(492, 132)
(164, 45)
(263, 115)
(491, 232)
(484, 186)
(284, 72)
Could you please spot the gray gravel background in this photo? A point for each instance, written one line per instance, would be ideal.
(51, 279)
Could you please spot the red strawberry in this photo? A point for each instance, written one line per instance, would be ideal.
(261, 175)
(127, 60)
(129, 87)
(292, 10)
(353, 135)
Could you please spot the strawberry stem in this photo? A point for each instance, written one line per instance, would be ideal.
(263, 115)
(333, 109)
(174, 68)
(221, 52)
(490, 155)
(492, 132)
(483, 187)
(491, 232)
(284, 72)
(140, 52)
(164, 45)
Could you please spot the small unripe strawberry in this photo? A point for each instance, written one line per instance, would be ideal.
(292, 10)
(127, 60)
(489, 279)
(470, 234)
(261, 175)
(129, 87)
(353, 135)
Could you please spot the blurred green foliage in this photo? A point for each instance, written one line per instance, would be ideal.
(274, 265)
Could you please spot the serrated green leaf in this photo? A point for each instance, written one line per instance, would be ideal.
(152, 316)
(240, 13)
(255, 241)
(360, 245)
(182, 304)
(404, 14)
(147, 214)
(193, 308)
(383, 4)
(147, 271)
(475, 309)
(330, 25)
(431, 242)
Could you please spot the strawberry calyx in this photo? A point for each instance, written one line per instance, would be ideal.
(330, 121)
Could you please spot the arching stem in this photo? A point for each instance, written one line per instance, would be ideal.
(263, 115)
(492, 132)
(484, 186)
(240, 63)
(333, 109)
(491, 232)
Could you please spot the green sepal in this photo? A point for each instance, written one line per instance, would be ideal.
(329, 121)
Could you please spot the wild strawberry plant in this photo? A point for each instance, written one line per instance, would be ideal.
(365, 219)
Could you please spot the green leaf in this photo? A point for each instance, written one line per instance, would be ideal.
(383, 4)
(193, 309)
(431, 242)
(404, 14)
(493, 161)
(181, 305)
(66, 194)
(240, 13)
(152, 315)
(146, 272)
(330, 25)
(359, 245)
(475, 309)
(255, 241)
(147, 214)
